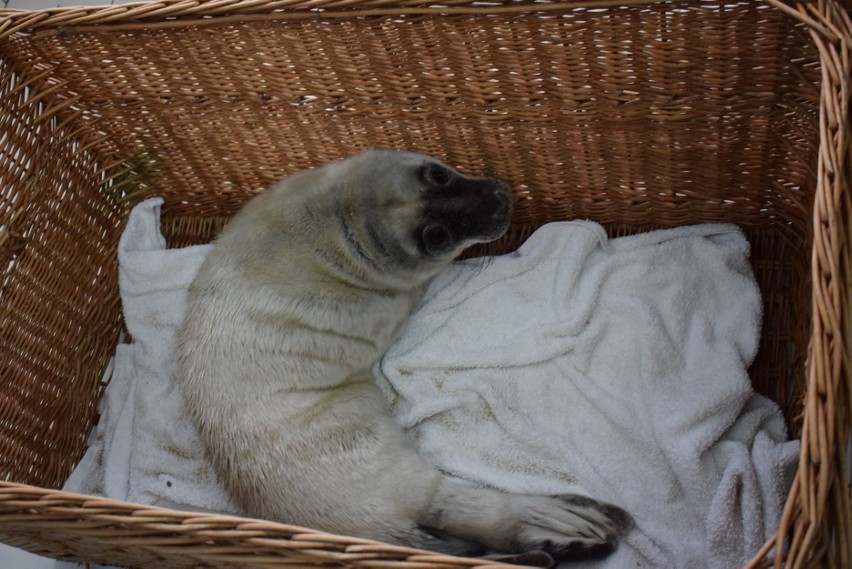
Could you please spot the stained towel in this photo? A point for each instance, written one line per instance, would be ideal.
(614, 368)
(146, 449)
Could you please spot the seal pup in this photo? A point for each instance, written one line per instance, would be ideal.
(303, 291)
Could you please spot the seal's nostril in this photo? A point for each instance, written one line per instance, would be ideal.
(504, 203)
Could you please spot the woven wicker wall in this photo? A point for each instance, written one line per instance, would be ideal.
(630, 109)
(58, 302)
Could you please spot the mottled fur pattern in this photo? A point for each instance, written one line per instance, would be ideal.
(304, 290)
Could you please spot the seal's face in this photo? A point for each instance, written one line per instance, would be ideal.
(459, 210)
(412, 209)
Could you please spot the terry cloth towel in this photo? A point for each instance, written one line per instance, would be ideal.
(568, 366)
(145, 448)
(611, 368)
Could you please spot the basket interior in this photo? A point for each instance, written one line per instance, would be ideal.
(638, 117)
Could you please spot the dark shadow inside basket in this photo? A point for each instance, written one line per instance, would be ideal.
(635, 117)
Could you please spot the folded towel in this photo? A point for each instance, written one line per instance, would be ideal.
(613, 368)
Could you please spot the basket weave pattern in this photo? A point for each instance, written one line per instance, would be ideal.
(636, 114)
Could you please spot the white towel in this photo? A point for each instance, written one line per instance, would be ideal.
(615, 368)
(146, 449)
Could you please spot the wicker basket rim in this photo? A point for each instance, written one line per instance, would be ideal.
(147, 15)
(214, 525)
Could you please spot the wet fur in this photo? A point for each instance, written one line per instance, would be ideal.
(303, 291)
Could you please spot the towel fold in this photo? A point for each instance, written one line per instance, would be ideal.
(615, 368)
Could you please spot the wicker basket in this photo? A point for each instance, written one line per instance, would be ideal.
(635, 114)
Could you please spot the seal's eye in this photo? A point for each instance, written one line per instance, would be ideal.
(438, 175)
(436, 238)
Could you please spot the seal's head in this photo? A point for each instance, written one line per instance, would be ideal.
(412, 209)
(382, 218)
